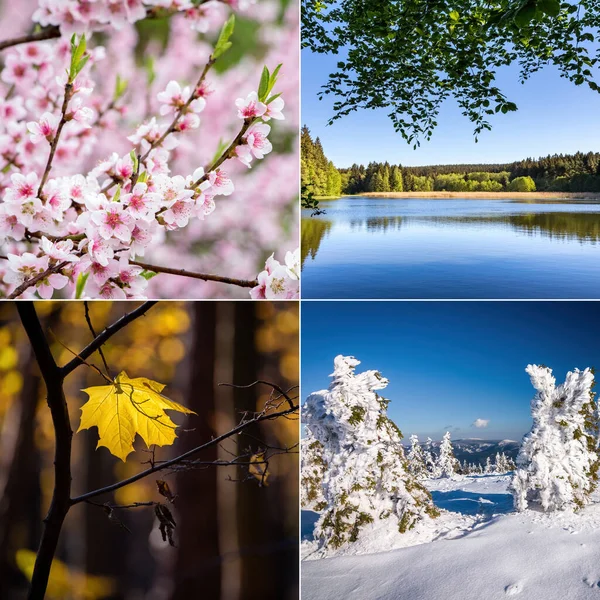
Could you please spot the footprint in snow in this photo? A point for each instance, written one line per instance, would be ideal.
(591, 581)
(513, 589)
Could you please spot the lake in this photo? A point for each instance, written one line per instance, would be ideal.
(451, 248)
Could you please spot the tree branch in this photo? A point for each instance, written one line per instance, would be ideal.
(249, 283)
(169, 463)
(34, 280)
(46, 34)
(105, 336)
(59, 411)
(54, 144)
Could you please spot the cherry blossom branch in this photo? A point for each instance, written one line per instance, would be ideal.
(180, 112)
(249, 283)
(54, 144)
(34, 280)
(229, 152)
(48, 33)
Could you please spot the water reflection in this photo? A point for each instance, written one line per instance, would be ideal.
(584, 227)
(580, 226)
(312, 232)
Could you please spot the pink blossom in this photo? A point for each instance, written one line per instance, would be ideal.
(221, 182)
(45, 129)
(274, 109)
(113, 221)
(173, 98)
(140, 203)
(55, 281)
(250, 108)
(10, 225)
(100, 251)
(24, 266)
(59, 251)
(256, 139)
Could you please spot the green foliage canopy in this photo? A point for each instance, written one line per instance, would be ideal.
(409, 56)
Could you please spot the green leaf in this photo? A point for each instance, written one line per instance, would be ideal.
(81, 281)
(148, 275)
(549, 7)
(263, 86)
(223, 44)
(272, 98)
(454, 15)
(120, 88)
(117, 195)
(525, 15)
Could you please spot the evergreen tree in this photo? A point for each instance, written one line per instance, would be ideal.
(488, 466)
(446, 461)
(557, 464)
(416, 460)
(367, 477)
(313, 468)
(396, 184)
(429, 459)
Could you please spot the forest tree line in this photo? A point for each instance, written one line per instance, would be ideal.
(579, 172)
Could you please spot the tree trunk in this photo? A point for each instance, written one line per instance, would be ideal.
(197, 572)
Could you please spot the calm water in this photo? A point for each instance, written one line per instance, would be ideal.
(421, 248)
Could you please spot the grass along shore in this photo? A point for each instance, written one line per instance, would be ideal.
(475, 195)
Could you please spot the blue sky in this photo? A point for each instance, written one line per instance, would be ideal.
(554, 116)
(451, 363)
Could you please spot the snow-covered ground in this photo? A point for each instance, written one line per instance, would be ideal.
(486, 554)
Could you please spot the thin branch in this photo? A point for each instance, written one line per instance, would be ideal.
(178, 459)
(34, 280)
(271, 385)
(180, 112)
(93, 331)
(249, 283)
(229, 152)
(106, 335)
(45, 34)
(54, 144)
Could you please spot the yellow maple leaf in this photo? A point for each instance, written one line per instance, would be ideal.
(128, 407)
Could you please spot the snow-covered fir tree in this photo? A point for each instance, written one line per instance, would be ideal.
(446, 463)
(501, 465)
(416, 460)
(366, 474)
(312, 472)
(430, 459)
(488, 466)
(557, 464)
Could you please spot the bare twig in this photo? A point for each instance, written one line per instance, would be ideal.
(92, 330)
(169, 463)
(249, 283)
(106, 335)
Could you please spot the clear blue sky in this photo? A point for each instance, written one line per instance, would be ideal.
(450, 363)
(554, 116)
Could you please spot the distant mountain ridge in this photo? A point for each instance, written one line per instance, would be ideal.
(476, 450)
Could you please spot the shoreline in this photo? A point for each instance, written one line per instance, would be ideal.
(474, 195)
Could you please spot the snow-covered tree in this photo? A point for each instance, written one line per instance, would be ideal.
(488, 466)
(416, 460)
(446, 464)
(429, 459)
(313, 470)
(501, 464)
(366, 474)
(557, 464)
